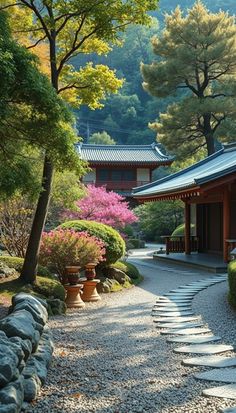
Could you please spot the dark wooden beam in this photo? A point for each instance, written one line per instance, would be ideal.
(187, 228)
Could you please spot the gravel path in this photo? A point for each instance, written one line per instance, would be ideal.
(110, 357)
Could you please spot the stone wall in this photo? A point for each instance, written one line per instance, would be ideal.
(25, 352)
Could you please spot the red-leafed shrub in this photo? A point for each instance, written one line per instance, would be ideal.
(64, 247)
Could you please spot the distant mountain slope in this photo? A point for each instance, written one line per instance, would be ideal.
(125, 116)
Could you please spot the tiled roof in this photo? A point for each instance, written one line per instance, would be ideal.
(104, 154)
(213, 167)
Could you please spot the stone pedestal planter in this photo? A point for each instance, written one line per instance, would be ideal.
(72, 274)
(90, 291)
(73, 298)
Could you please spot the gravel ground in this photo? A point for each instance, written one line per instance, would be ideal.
(110, 357)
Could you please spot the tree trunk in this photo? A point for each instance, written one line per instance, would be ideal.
(29, 270)
(208, 133)
(28, 273)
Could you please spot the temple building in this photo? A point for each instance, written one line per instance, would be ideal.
(208, 190)
(122, 167)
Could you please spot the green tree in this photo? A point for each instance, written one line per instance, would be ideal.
(196, 55)
(69, 29)
(101, 138)
(159, 218)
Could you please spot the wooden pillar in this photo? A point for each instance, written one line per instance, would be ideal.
(226, 222)
(187, 228)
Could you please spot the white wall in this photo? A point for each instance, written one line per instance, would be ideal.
(143, 175)
(90, 176)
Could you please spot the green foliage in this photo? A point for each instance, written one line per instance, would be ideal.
(114, 244)
(128, 268)
(179, 231)
(232, 282)
(196, 54)
(66, 190)
(159, 218)
(32, 116)
(17, 263)
(65, 247)
(125, 116)
(101, 138)
(49, 288)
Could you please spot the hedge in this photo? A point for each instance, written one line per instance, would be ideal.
(114, 243)
(232, 282)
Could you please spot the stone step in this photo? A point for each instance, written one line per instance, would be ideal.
(204, 349)
(175, 319)
(226, 392)
(179, 325)
(173, 313)
(194, 339)
(172, 309)
(186, 331)
(226, 375)
(211, 361)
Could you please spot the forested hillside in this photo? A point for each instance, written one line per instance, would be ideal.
(126, 115)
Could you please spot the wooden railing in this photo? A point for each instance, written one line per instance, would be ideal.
(177, 243)
(231, 244)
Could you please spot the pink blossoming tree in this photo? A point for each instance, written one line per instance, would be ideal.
(102, 206)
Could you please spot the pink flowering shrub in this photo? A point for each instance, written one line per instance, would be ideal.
(102, 206)
(64, 247)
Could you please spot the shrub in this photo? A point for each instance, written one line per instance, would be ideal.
(64, 247)
(179, 231)
(128, 268)
(232, 282)
(17, 263)
(114, 243)
(135, 243)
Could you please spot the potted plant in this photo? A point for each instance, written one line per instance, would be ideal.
(68, 251)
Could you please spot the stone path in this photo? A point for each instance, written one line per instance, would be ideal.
(199, 343)
(111, 358)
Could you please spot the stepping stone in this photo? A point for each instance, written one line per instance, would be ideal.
(227, 392)
(179, 325)
(171, 305)
(175, 319)
(211, 361)
(174, 313)
(204, 348)
(194, 339)
(186, 290)
(186, 331)
(179, 295)
(172, 309)
(222, 375)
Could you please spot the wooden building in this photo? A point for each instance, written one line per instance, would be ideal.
(208, 190)
(121, 167)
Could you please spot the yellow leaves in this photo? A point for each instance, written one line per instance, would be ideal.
(90, 85)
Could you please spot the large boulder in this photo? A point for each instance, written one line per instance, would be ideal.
(21, 324)
(118, 275)
(12, 397)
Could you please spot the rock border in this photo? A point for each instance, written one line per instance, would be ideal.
(26, 349)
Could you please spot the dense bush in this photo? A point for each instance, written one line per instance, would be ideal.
(17, 263)
(114, 243)
(232, 282)
(64, 247)
(128, 268)
(135, 243)
(179, 231)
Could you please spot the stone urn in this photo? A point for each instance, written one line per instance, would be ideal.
(90, 272)
(72, 274)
